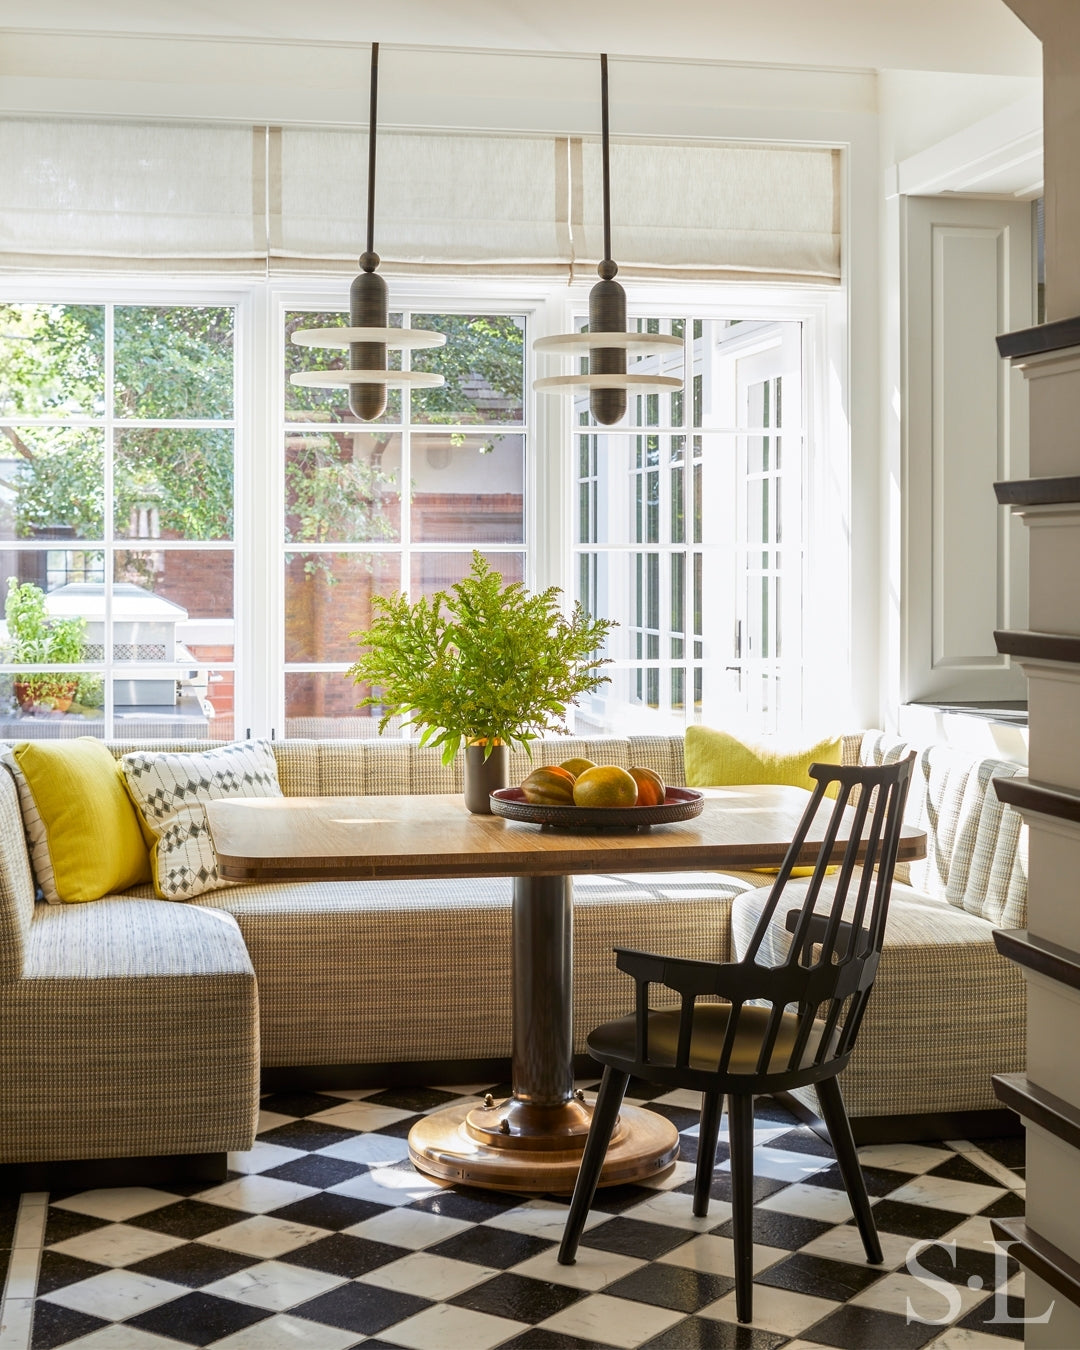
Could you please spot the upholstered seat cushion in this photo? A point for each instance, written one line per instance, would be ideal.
(360, 972)
(947, 1011)
(133, 1030)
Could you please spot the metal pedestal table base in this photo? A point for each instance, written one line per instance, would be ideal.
(534, 1140)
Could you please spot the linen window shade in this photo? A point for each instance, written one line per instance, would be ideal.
(89, 195)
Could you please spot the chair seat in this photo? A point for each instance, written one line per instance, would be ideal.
(614, 1042)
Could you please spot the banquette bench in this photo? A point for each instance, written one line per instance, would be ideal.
(136, 1027)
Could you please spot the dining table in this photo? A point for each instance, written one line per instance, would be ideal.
(532, 1140)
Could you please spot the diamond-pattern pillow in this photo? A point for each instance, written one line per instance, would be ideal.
(170, 791)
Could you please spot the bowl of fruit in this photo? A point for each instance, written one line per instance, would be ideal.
(581, 795)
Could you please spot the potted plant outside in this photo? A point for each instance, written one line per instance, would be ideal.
(483, 665)
(36, 639)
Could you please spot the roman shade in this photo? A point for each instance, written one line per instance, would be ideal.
(122, 195)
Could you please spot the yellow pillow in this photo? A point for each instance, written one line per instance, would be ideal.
(88, 842)
(718, 759)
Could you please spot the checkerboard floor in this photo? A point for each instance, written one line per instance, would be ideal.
(325, 1237)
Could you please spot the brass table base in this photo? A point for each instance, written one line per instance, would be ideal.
(443, 1145)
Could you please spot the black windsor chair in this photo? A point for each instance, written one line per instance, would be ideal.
(750, 1043)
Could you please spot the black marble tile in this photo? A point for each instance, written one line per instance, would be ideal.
(993, 1316)
(639, 1090)
(703, 1333)
(491, 1247)
(518, 1297)
(400, 1129)
(633, 1237)
(1010, 1152)
(329, 1211)
(9, 1214)
(680, 1116)
(58, 1269)
(344, 1255)
(198, 1318)
(720, 1189)
(960, 1168)
(187, 1219)
(803, 1139)
(61, 1224)
(688, 1150)
(466, 1202)
(672, 1287)
(307, 1134)
(879, 1180)
(618, 1199)
(853, 1327)
(1007, 1206)
(536, 1338)
(300, 1103)
(361, 1307)
(54, 1325)
(820, 1277)
(962, 1265)
(914, 1221)
(5, 1261)
(770, 1110)
(775, 1229)
(194, 1264)
(414, 1099)
(316, 1171)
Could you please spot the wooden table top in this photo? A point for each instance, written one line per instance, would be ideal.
(382, 838)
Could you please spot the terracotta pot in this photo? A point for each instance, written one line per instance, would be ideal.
(483, 776)
(37, 696)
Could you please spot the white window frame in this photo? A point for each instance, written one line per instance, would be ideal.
(550, 481)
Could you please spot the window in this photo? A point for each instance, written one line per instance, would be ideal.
(372, 508)
(116, 518)
(690, 533)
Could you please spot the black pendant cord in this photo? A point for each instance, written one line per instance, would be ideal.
(372, 119)
(604, 154)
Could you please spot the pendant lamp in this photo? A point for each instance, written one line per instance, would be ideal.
(607, 342)
(369, 334)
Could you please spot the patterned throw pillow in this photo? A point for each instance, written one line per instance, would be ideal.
(170, 790)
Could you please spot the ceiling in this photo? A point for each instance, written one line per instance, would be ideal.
(966, 36)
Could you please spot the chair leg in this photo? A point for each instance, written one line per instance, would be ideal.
(836, 1118)
(741, 1138)
(605, 1113)
(712, 1106)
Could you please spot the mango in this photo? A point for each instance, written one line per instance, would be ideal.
(549, 786)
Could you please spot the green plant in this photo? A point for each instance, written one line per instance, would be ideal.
(482, 662)
(36, 639)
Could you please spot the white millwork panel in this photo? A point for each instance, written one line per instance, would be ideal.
(967, 276)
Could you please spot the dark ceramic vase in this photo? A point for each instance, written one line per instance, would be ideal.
(483, 776)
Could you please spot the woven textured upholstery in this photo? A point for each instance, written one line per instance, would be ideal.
(350, 971)
(133, 1031)
(16, 883)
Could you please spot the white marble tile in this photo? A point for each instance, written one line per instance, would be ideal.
(117, 1202)
(689, 1101)
(975, 1232)
(467, 1099)
(30, 1221)
(593, 1269)
(361, 1115)
(920, 1298)
(778, 1310)
(445, 1327)
(122, 1338)
(964, 1338)
(289, 1333)
(120, 1244)
(916, 1158)
(352, 1094)
(388, 1186)
(412, 1228)
(117, 1294)
(262, 1157)
(257, 1194)
(613, 1321)
(543, 1219)
(782, 1164)
(16, 1318)
(22, 1274)
(845, 1244)
(677, 1211)
(270, 1120)
(963, 1197)
(676, 1175)
(274, 1285)
(716, 1255)
(813, 1202)
(990, 1165)
(368, 1148)
(428, 1275)
(263, 1235)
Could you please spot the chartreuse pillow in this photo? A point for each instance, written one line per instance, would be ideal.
(84, 833)
(718, 759)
